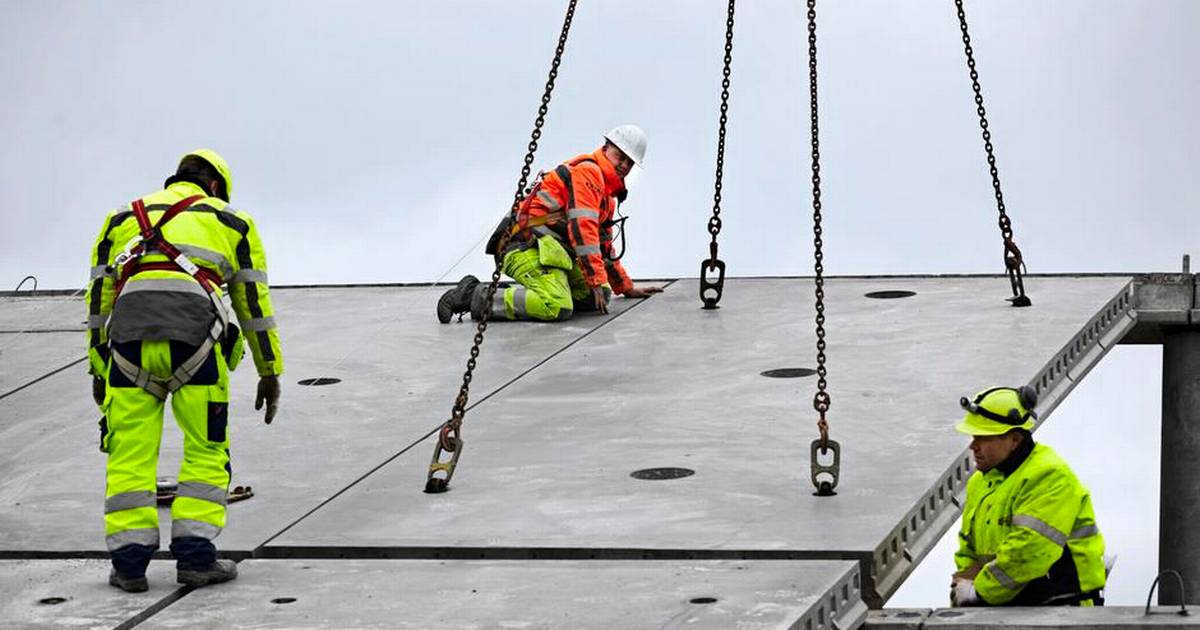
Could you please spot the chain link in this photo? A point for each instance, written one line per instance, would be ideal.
(710, 290)
(714, 223)
(822, 400)
(454, 424)
(1013, 261)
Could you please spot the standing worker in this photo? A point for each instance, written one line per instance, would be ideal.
(1029, 536)
(562, 250)
(158, 328)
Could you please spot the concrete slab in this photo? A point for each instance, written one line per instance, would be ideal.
(399, 369)
(32, 590)
(25, 358)
(547, 594)
(1110, 618)
(546, 472)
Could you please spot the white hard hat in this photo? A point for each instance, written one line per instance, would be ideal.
(630, 139)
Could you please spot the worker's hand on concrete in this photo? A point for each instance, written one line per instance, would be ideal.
(98, 387)
(635, 292)
(962, 593)
(600, 297)
(268, 392)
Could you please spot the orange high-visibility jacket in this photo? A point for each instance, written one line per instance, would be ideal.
(582, 230)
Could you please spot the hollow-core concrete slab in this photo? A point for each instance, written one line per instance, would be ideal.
(533, 595)
(546, 470)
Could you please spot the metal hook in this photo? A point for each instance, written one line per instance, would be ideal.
(825, 486)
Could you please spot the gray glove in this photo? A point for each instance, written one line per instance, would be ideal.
(268, 392)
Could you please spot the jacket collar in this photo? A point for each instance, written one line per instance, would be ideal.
(1017, 457)
(613, 183)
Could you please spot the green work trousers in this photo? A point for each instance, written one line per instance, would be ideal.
(131, 434)
(552, 286)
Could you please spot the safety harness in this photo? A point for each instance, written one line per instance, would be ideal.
(129, 263)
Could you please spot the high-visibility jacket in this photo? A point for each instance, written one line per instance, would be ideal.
(171, 304)
(1031, 522)
(585, 232)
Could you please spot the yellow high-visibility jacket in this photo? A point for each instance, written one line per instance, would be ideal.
(165, 304)
(1031, 521)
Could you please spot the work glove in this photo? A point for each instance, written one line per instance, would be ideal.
(268, 392)
(600, 297)
(98, 386)
(962, 593)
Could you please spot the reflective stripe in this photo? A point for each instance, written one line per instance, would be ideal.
(250, 275)
(216, 259)
(498, 305)
(542, 230)
(579, 213)
(549, 200)
(129, 501)
(165, 284)
(1002, 577)
(261, 323)
(202, 491)
(100, 272)
(585, 250)
(189, 527)
(1041, 527)
(519, 301)
(97, 321)
(1085, 531)
(147, 536)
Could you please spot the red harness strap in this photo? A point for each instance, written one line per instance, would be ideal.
(152, 235)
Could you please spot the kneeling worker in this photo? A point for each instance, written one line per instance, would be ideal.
(562, 257)
(1028, 537)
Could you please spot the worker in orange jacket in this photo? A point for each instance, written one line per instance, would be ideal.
(562, 251)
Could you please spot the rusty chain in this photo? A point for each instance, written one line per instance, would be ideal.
(449, 438)
(712, 263)
(1014, 264)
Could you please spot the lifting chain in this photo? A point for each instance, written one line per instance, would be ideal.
(449, 438)
(1014, 264)
(710, 290)
(822, 400)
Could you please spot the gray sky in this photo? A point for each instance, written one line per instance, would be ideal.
(378, 141)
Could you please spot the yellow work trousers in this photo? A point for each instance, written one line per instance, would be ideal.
(134, 421)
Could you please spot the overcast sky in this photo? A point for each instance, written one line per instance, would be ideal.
(378, 141)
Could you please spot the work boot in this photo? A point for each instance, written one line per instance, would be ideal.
(128, 584)
(220, 571)
(456, 301)
(479, 301)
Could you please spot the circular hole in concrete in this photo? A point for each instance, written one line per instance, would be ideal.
(51, 601)
(321, 380)
(283, 600)
(890, 295)
(703, 600)
(657, 474)
(789, 373)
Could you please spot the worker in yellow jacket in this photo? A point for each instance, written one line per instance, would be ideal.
(158, 328)
(1029, 536)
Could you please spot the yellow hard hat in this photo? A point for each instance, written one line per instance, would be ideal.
(998, 410)
(217, 162)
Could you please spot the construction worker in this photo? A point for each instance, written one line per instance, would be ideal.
(158, 328)
(562, 251)
(1028, 537)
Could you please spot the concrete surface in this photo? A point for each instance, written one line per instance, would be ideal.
(38, 335)
(1108, 617)
(400, 370)
(546, 468)
(529, 595)
(88, 600)
(543, 501)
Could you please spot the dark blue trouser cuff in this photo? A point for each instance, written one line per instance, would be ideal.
(132, 559)
(193, 552)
